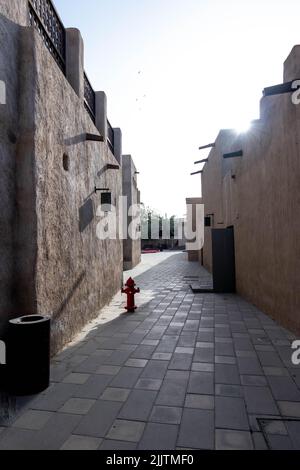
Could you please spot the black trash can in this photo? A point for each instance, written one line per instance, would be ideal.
(28, 355)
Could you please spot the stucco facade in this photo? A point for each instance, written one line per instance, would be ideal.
(51, 259)
(258, 194)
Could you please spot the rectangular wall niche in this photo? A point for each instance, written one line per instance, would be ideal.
(207, 221)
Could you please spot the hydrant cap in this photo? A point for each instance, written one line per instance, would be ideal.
(130, 282)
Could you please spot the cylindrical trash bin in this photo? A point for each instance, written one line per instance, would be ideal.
(28, 355)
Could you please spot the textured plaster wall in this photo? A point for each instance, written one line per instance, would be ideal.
(76, 273)
(12, 16)
(51, 260)
(259, 195)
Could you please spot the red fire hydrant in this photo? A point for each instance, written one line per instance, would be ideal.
(130, 290)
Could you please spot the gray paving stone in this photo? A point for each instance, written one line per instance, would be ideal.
(202, 402)
(99, 419)
(18, 439)
(181, 362)
(128, 431)
(233, 440)
(81, 443)
(182, 350)
(159, 437)
(229, 390)
(279, 443)
(56, 431)
(205, 344)
(246, 354)
(93, 388)
(284, 389)
(227, 374)
(173, 390)
(224, 349)
(149, 384)
(259, 400)
(243, 344)
(276, 371)
(249, 366)
(76, 378)
(201, 383)
(162, 356)
(90, 365)
(126, 378)
(155, 370)
(206, 336)
(117, 445)
(115, 394)
(150, 342)
(197, 429)
(140, 363)
(293, 428)
(55, 397)
(33, 420)
(59, 371)
(118, 358)
(259, 441)
(108, 370)
(166, 415)
(143, 352)
(269, 359)
(289, 409)
(203, 367)
(167, 345)
(78, 406)
(225, 360)
(231, 413)
(138, 405)
(187, 340)
(256, 380)
(204, 355)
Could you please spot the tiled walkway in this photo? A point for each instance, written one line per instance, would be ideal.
(185, 371)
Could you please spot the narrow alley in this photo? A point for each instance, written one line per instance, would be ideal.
(185, 371)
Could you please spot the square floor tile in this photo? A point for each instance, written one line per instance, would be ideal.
(123, 430)
(81, 443)
(115, 394)
(76, 378)
(166, 415)
(33, 420)
(78, 406)
(233, 440)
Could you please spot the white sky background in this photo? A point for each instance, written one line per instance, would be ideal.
(176, 71)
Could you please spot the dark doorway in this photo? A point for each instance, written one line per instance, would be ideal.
(223, 260)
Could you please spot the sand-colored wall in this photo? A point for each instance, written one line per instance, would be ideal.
(55, 265)
(259, 194)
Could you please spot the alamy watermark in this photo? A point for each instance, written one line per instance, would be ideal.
(130, 222)
(296, 354)
(296, 94)
(2, 92)
(2, 353)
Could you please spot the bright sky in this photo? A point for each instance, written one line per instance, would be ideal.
(176, 71)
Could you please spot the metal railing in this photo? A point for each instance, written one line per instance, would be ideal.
(89, 98)
(110, 137)
(44, 18)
